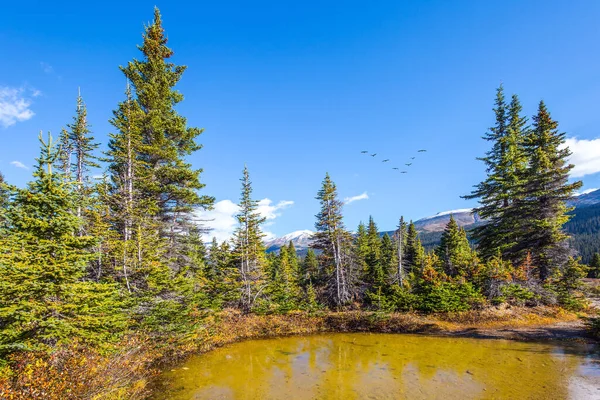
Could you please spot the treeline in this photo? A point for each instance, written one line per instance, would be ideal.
(92, 259)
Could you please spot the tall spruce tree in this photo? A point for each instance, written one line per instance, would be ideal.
(375, 275)
(454, 251)
(389, 257)
(44, 298)
(414, 254)
(310, 269)
(400, 236)
(336, 245)
(504, 162)
(543, 192)
(248, 245)
(170, 181)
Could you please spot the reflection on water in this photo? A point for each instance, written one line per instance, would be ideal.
(382, 366)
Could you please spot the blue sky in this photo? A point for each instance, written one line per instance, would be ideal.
(295, 90)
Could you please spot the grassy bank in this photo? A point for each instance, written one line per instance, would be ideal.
(127, 373)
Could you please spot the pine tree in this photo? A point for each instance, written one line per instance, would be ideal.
(544, 190)
(226, 281)
(170, 181)
(309, 269)
(82, 144)
(414, 254)
(249, 248)
(43, 296)
(361, 248)
(594, 271)
(400, 236)
(389, 256)
(454, 251)
(336, 245)
(504, 162)
(65, 152)
(375, 272)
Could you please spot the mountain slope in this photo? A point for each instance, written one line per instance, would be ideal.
(584, 227)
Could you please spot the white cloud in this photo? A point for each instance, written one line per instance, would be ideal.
(222, 222)
(585, 157)
(586, 191)
(14, 105)
(352, 199)
(19, 164)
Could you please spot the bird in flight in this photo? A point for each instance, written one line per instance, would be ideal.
(412, 158)
(408, 165)
(373, 155)
(395, 168)
(403, 172)
(364, 151)
(422, 151)
(386, 160)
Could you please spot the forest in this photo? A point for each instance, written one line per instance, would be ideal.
(94, 262)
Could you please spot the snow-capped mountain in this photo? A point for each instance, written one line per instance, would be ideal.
(300, 239)
(429, 228)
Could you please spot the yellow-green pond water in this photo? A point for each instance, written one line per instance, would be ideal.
(387, 366)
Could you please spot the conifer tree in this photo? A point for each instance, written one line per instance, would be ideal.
(65, 152)
(505, 163)
(43, 296)
(336, 245)
(544, 190)
(249, 249)
(310, 269)
(226, 281)
(400, 236)
(375, 272)
(594, 271)
(414, 254)
(82, 144)
(389, 256)
(454, 251)
(361, 248)
(170, 181)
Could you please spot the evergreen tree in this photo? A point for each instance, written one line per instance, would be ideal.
(375, 271)
(336, 245)
(400, 236)
(226, 278)
(65, 152)
(594, 271)
(361, 248)
(310, 269)
(249, 248)
(505, 163)
(81, 143)
(43, 296)
(414, 254)
(169, 180)
(544, 190)
(454, 251)
(389, 256)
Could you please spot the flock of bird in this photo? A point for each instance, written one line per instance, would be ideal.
(408, 164)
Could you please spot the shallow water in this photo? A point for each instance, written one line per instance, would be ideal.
(387, 366)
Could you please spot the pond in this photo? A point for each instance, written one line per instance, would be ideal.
(387, 366)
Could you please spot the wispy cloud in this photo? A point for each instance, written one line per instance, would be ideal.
(363, 196)
(19, 164)
(221, 220)
(585, 157)
(15, 105)
(47, 68)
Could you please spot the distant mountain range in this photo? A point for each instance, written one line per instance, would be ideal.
(430, 228)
